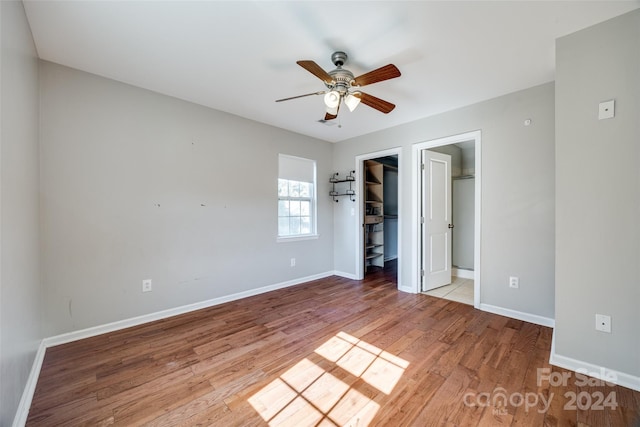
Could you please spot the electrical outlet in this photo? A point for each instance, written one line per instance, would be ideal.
(603, 323)
(146, 285)
(293, 262)
(514, 282)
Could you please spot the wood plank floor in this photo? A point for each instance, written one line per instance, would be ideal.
(329, 352)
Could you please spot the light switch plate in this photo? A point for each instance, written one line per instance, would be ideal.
(606, 109)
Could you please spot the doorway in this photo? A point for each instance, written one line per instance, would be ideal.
(379, 218)
(464, 221)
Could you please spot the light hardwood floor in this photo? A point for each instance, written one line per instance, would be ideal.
(329, 352)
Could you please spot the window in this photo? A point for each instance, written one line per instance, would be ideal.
(296, 197)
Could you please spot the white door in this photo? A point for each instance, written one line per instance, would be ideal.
(436, 220)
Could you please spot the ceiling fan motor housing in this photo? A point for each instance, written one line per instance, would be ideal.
(342, 78)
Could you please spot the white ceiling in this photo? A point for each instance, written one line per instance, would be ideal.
(240, 56)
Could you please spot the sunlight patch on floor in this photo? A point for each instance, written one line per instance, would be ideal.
(307, 394)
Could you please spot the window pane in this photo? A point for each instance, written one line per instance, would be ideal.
(283, 226)
(296, 196)
(283, 208)
(283, 188)
(305, 189)
(305, 225)
(294, 189)
(305, 208)
(294, 225)
(295, 208)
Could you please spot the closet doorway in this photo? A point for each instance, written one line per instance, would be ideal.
(463, 250)
(379, 214)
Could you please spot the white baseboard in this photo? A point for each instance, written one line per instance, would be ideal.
(462, 273)
(151, 317)
(519, 315)
(27, 395)
(600, 372)
(345, 275)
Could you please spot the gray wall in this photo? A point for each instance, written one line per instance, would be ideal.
(468, 161)
(517, 197)
(598, 194)
(463, 210)
(124, 175)
(20, 293)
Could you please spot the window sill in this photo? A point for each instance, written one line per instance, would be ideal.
(283, 239)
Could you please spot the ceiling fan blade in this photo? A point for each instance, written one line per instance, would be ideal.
(378, 75)
(302, 96)
(316, 70)
(373, 102)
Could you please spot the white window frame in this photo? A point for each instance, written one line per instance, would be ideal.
(312, 198)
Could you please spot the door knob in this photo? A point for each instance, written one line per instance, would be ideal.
(450, 225)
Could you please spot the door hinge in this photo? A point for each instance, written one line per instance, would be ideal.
(421, 220)
(422, 166)
(422, 272)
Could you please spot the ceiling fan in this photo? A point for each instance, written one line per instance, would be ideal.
(343, 86)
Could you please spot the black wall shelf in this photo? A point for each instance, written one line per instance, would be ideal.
(336, 179)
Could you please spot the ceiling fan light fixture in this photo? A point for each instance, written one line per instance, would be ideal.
(332, 99)
(351, 101)
(332, 110)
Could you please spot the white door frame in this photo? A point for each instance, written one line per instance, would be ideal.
(359, 218)
(415, 219)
